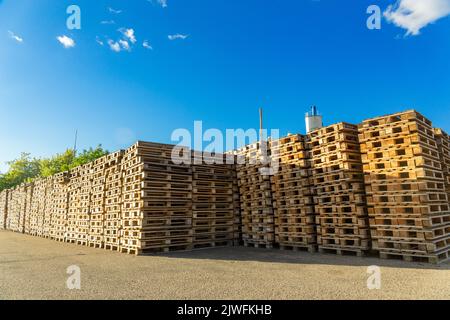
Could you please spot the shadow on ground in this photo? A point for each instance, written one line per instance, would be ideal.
(296, 257)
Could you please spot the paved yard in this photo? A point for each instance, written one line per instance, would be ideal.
(35, 268)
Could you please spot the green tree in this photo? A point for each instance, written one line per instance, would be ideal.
(25, 169)
(20, 170)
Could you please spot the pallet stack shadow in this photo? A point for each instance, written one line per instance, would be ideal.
(339, 195)
(157, 200)
(213, 205)
(258, 228)
(292, 194)
(408, 205)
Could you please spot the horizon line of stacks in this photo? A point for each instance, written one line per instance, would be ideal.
(382, 185)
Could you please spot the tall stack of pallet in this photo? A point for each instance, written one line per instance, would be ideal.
(292, 193)
(212, 201)
(236, 208)
(3, 208)
(44, 230)
(157, 211)
(84, 209)
(443, 143)
(27, 207)
(338, 180)
(408, 205)
(97, 204)
(258, 229)
(38, 195)
(113, 200)
(59, 206)
(74, 204)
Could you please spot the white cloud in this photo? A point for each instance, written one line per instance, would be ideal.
(177, 36)
(111, 10)
(163, 3)
(108, 22)
(147, 45)
(125, 45)
(114, 46)
(15, 37)
(66, 41)
(413, 15)
(129, 34)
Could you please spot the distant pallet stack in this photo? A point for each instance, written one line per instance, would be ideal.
(212, 202)
(59, 206)
(97, 204)
(113, 200)
(443, 143)
(157, 204)
(258, 229)
(292, 193)
(340, 201)
(29, 188)
(38, 199)
(236, 208)
(14, 206)
(74, 188)
(84, 209)
(3, 208)
(408, 205)
(45, 228)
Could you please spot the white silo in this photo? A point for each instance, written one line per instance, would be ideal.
(313, 120)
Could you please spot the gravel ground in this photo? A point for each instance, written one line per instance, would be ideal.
(35, 268)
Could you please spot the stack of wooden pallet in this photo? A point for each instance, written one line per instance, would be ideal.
(113, 200)
(408, 205)
(37, 207)
(13, 218)
(236, 208)
(27, 207)
(292, 194)
(443, 143)
(97, 204)
(3, 208)
(84, 209)
(74, 204)
(258, 229)
(338, 180)
(157, 201)
(212, 203)
(44, 229)
(59, 206)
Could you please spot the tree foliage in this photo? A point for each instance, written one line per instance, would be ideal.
(26, 168)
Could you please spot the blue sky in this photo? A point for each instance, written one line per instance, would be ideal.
(224, 59)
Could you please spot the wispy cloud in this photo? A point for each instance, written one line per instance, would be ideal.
(99, 41)
(114, 11)
(413, 15)
(66, 41)
(107, 22)
(163, 3)
(129, 34)
(12, 35)
(177, 36)
(147, 45)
